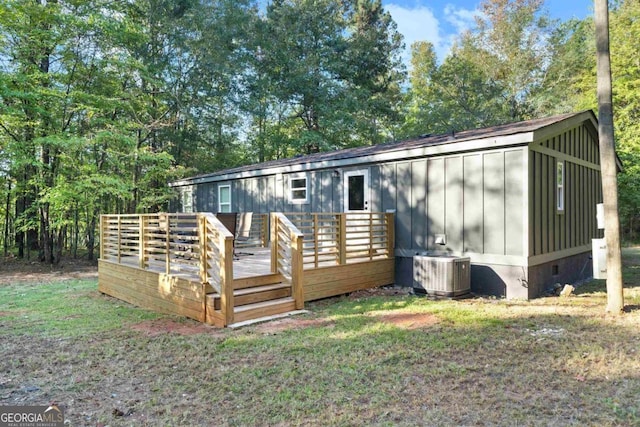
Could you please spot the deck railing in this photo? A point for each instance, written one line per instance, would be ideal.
(286, 254)
(160, 242)
(191, 244)
(258, 235)
(342, 238)
(198, 245)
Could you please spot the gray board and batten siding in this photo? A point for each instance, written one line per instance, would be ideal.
(490, 194)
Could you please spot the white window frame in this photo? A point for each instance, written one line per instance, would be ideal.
(221, 205)
(187, 199)
(293, 199)
(560, 186)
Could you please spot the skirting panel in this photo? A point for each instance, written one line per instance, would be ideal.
(326, 282)
(152, 290)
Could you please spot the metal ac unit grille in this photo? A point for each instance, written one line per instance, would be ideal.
(442, 275)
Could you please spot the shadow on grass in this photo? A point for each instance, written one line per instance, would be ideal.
(513, 367)
(353, 366)
(474, 362)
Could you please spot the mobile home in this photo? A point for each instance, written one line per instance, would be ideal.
(519, 200)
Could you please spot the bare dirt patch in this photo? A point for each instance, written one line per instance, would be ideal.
(289, 323)
(409, 320)
(384, 291)
(157, 327)
(16, 270)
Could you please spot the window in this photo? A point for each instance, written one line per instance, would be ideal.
(298, 190)
(224, 198)
(560, 186)
(187, 199)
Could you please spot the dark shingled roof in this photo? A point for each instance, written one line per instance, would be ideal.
(422, 141)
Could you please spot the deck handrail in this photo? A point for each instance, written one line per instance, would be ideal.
(216, 266)
(342, 238)
(286, 254)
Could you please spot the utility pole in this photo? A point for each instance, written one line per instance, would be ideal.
(608, 167)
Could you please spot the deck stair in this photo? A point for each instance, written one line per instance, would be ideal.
(263, 309)
(258, 297)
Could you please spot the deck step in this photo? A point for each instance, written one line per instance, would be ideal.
(253, 295)
(266, 288)
(257, 281)
(262, 309)
(266, 318)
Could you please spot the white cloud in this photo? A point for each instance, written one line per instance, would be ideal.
(461, 19)
(417, 24)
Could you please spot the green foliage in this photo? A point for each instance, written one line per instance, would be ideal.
(571, 82)
(456, 95)
(88, 112)
(573, 73)
(579, 70)
(103, 103)
(625, 69)
(517, 64)
(330, 72)
(495, 73)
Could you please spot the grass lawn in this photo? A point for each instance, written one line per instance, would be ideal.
(373, 360)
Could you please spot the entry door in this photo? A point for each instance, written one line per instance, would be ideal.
(356, 191)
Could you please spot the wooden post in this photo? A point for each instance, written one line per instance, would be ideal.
(167, 247)
(102, 236)
(371, 251)
(119, 238)
(314, 218)
(226, 279)
(297, 271)
(390, 234)
(203, 313)
(264, 230)
(202, 239)
(274, 243)
(141, 245)
(342, 235)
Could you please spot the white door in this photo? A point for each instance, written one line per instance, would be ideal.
(356, 191)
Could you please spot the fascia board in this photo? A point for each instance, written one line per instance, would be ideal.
(560, 127)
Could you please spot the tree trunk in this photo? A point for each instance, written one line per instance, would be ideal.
(59, 245)
(615, 297)
(6, 219)
(91, 236)
(20, 235)
(46, 238)
(75, 231)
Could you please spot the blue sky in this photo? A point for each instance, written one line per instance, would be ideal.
(438, 21)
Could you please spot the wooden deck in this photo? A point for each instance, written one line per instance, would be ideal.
(256, 264)
(184, 264)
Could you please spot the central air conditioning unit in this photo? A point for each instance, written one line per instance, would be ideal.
(446, 276)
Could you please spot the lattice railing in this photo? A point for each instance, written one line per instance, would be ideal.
(189, 244)
(340, 238)
(258, 231)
